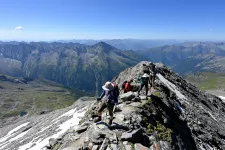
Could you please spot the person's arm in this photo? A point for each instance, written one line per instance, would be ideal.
(102, 95)
(126, 87)
(129, 87)
(139, 78)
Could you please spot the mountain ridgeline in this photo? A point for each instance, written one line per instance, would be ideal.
(71, 64)
(87, 67)
(190, 57)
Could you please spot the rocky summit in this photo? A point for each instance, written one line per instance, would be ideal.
(175, 115)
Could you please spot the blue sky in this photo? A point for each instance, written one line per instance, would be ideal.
(112, 19)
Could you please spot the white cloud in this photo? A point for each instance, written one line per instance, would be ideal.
(18, 28)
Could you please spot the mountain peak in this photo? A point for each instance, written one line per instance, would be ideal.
(104, 46)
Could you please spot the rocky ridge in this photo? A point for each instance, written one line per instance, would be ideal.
(156, 122)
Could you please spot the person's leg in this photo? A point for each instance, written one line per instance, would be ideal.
(142, 85)
(153, 81)
(146, 88)
(110, 109)
(151, 76)
(101, 108)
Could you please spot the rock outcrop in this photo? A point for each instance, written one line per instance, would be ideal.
(158, 122)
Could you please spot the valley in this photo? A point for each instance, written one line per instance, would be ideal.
(23, 97)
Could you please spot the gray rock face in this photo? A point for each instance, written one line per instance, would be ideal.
(95, 147)
(44, 130)
(81, 129)
(52, 142)
(140, 147)
(203, 120)
(132, 136)
(127, 96)
(135, 136)
(99, 132)
(162, 145)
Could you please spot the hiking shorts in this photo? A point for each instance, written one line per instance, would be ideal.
(109, 106)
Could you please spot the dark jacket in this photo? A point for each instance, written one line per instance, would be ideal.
(111, 96)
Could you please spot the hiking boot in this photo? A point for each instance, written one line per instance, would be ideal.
(97, 119)
(110, 121)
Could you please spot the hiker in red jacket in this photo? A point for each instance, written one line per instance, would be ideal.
(127, 87)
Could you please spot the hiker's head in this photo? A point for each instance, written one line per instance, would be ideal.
(108, 86)
(145, 75)
(131, 80)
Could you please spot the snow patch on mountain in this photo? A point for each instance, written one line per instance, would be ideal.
(17, 128)
(173, 88)
(11, 135)
(62, 128)
(222, 98)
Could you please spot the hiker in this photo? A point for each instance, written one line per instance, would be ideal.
(110, 99)
(146, 68)
(127, 86)
(152, 74)
(144, 82)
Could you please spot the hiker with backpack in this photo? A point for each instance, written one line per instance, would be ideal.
(126, 86)
(110, 99)
(144, 80)
(152, 74)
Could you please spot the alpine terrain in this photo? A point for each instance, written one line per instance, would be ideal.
(177, 115)
(74, 65)
(190, 57)
(24, 97)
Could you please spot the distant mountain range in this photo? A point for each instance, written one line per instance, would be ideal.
(128, 44)
(71, 64)
(87, 67)
(190, 57)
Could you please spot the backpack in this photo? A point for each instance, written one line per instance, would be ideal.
(116, 89)
(145, 79)
(146, 69)
(123, 85)
(152, 68)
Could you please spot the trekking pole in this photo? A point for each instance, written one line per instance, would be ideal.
(114, 108)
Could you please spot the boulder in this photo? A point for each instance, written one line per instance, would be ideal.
(98, 132)
(138, 146)
(142, 97)
(52, 142)
(112, 147)
(135, 87)
(104, 144)
(127, 96)
(128, 147)
(133, 136)
(95, 147)
(162, 145)
(81, 129)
